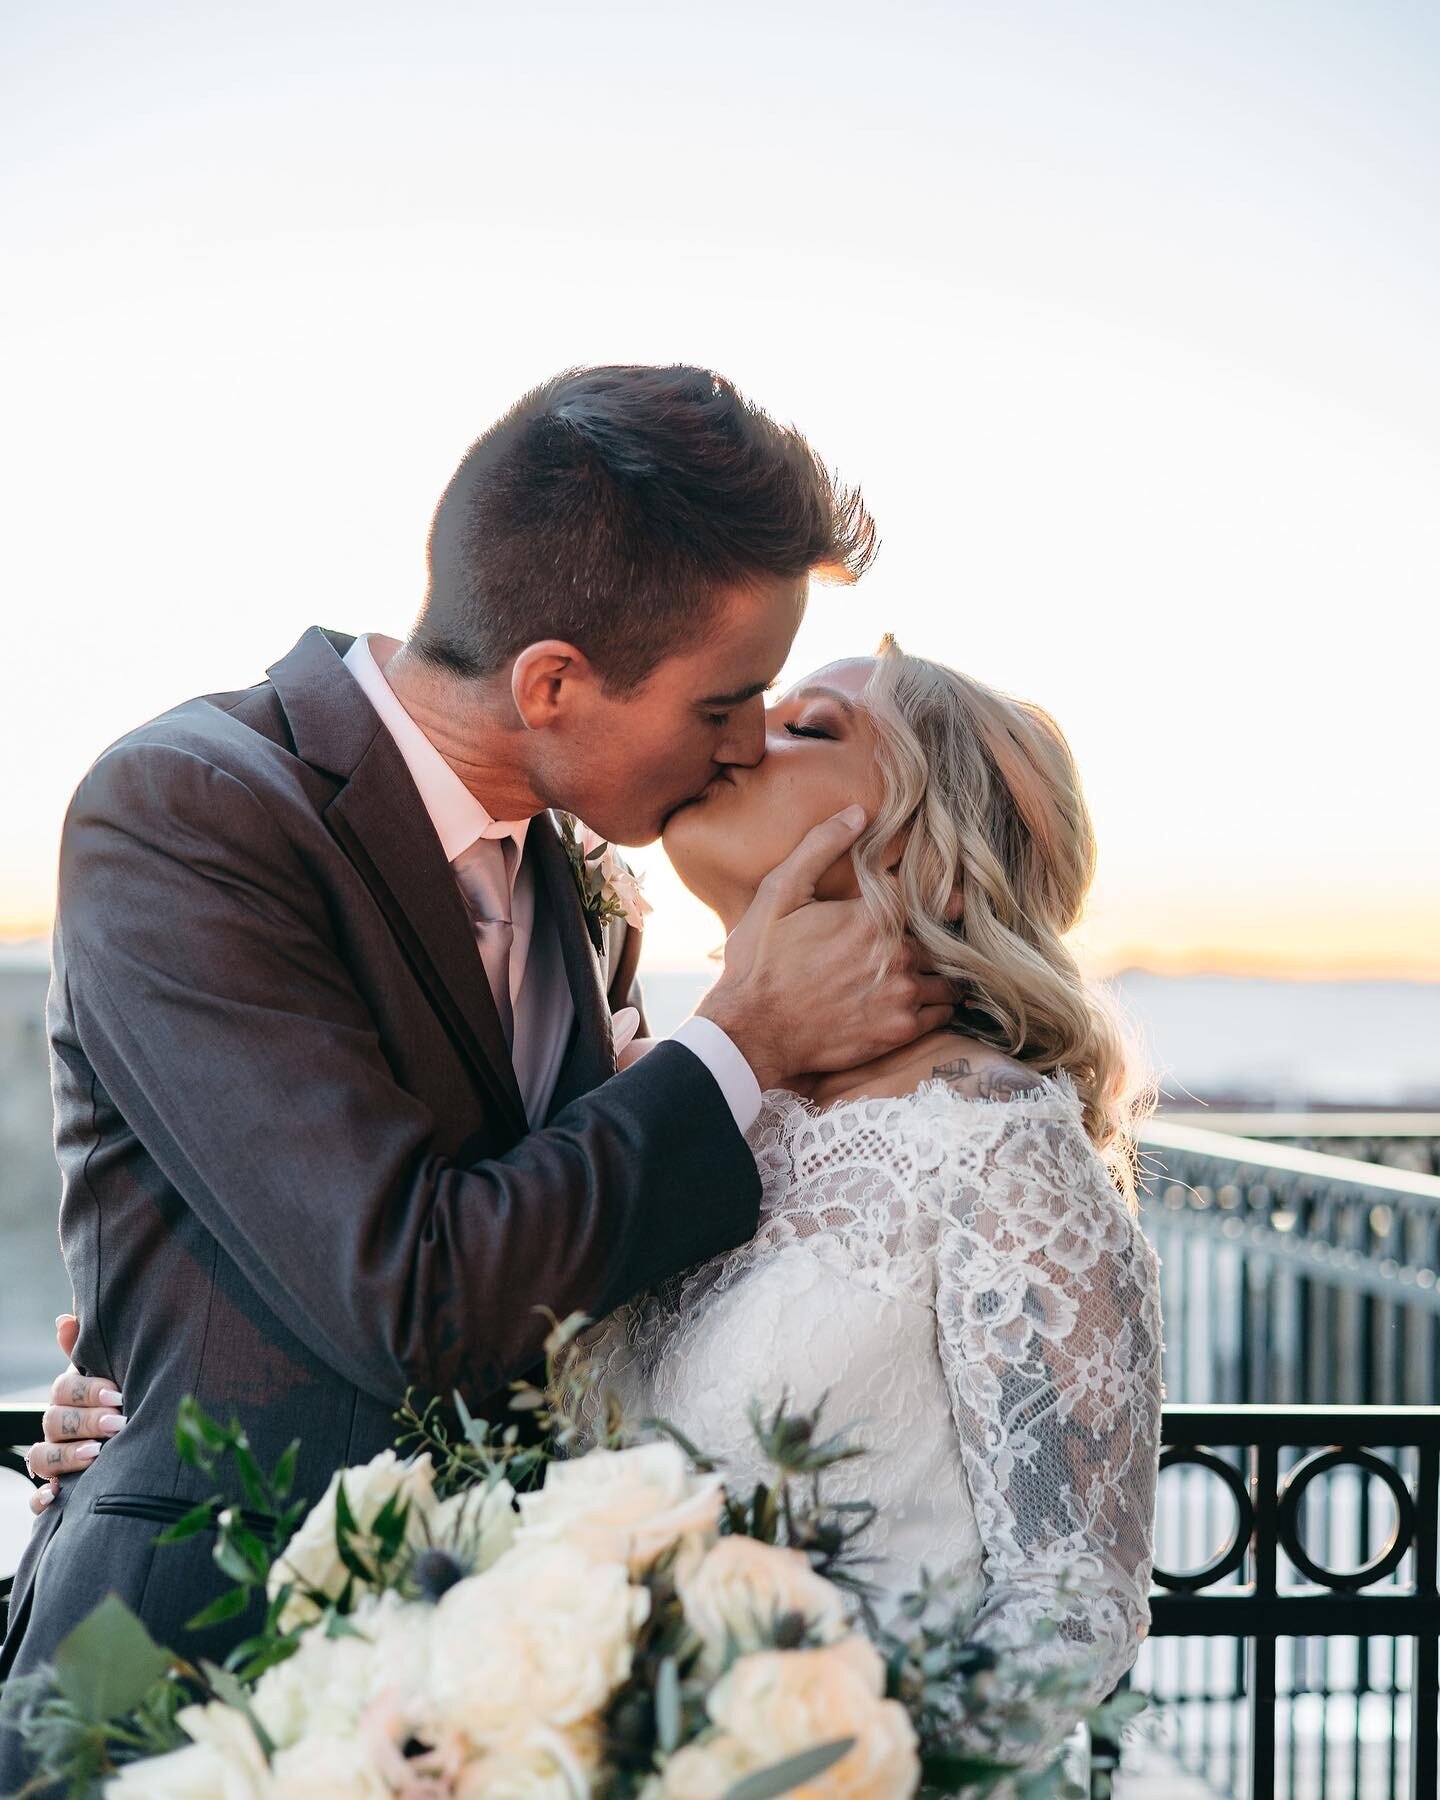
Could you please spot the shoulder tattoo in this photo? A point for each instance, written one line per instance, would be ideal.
(992, 1081)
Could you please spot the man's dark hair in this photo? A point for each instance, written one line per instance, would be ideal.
(611, 508)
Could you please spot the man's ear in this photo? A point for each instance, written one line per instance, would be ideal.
(548, 680)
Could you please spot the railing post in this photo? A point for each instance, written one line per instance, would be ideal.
(1262, 1648)
(1425, 1684)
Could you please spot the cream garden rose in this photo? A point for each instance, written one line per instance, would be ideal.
(775, 1703)
(326, 1768)
(541, 1639)
(548, 1765)
(224, 1761)
(735, 1596)
(382, 1661)
(479, 1527)
(311, 1559)
(622, 1505)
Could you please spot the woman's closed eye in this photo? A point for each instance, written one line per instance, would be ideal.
(807, 731)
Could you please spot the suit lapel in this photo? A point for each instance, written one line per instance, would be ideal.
(590, 1058)
(381, 822)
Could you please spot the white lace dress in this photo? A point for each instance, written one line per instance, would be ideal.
(962, 1280)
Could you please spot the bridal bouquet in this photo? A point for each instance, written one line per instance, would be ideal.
(481, 1616)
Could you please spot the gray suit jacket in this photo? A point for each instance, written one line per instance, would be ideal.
(297, 1176)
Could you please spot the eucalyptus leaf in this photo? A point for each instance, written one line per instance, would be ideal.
(667, 1704)
(705, 1464)
(781, 1777)
(229, 1688)
(108, 1663)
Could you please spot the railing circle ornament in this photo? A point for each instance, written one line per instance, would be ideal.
(1233, 1555)
(1287, 1520)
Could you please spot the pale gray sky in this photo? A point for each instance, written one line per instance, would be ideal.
(1122, 314)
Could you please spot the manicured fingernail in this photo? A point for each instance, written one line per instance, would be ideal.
(46, 1497)
(109, 1397)
(87, 1452)
(110, 1423)
(854, 817)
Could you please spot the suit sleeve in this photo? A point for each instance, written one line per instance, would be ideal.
(213, 1002)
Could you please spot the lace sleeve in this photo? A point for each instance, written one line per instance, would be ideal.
(1048, 1314)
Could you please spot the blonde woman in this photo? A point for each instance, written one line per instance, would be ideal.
(948, 1246)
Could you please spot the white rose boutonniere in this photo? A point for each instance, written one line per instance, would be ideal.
(608, 888)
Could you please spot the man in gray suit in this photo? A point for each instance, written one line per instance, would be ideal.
(335, 1073)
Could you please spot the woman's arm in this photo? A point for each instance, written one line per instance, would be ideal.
(1048, 1319)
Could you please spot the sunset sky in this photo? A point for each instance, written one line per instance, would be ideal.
(1122, 315)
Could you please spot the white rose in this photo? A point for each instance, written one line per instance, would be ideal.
(549, 1765)
(320, 1689)
(741, 1588)
(323, 1689)
(543, 1638)
(311, 1559)
(622, 1505)
(224, 1762)
(777, 1702)
(325, 1768)
(476, 1527)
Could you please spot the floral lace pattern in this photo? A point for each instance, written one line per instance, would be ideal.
(964, 1282)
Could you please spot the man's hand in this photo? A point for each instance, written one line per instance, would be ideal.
(798, 993)
(84, 1410)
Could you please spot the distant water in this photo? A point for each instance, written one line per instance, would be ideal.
(1243, 1039)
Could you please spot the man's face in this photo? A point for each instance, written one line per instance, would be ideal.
(623, 762)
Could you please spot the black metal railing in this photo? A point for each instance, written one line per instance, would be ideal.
(20, 1427)
(1397, 1140)
(1301, 1576)
(1292, 1276)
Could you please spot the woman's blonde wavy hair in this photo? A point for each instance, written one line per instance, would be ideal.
(998, 858)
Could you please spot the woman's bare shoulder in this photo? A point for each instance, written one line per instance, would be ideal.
(978, 1071)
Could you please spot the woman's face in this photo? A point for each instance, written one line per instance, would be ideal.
(820, 745)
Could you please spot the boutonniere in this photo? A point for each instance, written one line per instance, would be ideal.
(608, 889)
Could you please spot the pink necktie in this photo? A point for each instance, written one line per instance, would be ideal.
(486, 874)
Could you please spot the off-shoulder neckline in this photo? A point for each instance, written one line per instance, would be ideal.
(1050, 1092)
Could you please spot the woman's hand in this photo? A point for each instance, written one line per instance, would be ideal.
(84, 1411)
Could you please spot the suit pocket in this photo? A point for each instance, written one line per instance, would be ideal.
(164, 1509)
